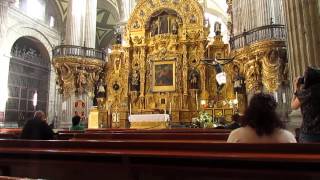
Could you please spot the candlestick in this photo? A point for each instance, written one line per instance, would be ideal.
(130, 108)
(197, 101)
(170, 108)
(275, 96)
(284, 100)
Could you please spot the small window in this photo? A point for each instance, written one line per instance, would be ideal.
(51, 22)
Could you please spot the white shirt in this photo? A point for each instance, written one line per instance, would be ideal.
(248, 135)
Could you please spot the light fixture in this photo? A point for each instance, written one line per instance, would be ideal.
(35, 99)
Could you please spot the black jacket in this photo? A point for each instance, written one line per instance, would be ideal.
(37, 129)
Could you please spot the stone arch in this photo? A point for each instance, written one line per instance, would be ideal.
(48, 39)
(17, 32)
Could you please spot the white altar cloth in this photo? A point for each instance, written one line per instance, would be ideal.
(149, 121)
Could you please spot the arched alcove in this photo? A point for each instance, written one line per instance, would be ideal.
(29, 71)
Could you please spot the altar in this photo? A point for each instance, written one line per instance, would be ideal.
(149, 121)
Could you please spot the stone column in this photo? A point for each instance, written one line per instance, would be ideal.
(4, 6)
(303, 38)
(90, 21)
(4, 58)
(249, 14)
(127, 7)
(75, 22)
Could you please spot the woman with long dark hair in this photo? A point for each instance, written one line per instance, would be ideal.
(261, 124)
(307, 97)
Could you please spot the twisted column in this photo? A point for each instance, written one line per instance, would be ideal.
(303, 34)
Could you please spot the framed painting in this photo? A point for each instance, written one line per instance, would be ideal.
(164, 78)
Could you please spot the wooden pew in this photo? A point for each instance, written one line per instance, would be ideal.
(171, 130)
(161, 160)
(152, 136)
(196, 134)
(10, 133)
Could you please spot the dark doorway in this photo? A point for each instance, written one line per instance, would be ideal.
(29, 71)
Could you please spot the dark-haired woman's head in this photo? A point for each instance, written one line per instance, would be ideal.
(75, 120)
(311, 77)
(261, 114)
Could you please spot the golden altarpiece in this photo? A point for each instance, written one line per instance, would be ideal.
(165, 66)
(161, 68)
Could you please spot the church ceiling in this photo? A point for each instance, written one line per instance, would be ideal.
(105, 27)
(107, 18)
(63, 7)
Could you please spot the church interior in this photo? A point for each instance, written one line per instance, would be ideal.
(155, 84)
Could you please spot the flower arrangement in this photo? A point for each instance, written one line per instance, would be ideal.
(205, 120)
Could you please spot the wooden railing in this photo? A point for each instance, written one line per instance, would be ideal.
(269, 32)
(78, 51)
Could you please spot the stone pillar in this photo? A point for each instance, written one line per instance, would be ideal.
(4, 58)
(303, 38)
(4, 6)
(127, 7)
(90, 27)
(80, 31)
(75, 22)
(249, 14)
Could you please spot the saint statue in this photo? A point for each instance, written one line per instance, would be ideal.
(154, 27)
(193, 19)
(194, 80)
(135, 81)
(174, 27)
(118, 38)
(82, 80)
(217, 28)
(163, 24)
(238, 80)
(101, 91)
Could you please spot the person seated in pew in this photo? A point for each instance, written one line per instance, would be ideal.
(261, 124)
(236, 122)
(37, 128)
(76, 125)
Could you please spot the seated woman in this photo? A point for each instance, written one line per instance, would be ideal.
(261, 124)
(76, 126)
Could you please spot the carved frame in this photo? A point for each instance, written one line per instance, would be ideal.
(163, 86)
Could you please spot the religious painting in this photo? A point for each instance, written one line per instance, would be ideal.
(79, 108)
(164, 76)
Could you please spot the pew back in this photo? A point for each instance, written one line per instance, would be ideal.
(158, 160)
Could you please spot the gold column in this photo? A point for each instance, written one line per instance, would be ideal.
(303, 34)
(142, 58)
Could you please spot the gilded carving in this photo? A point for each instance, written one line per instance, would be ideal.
(77, 75)
(270, 71)
(167, 41)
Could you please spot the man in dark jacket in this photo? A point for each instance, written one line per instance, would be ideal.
(37, 128)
